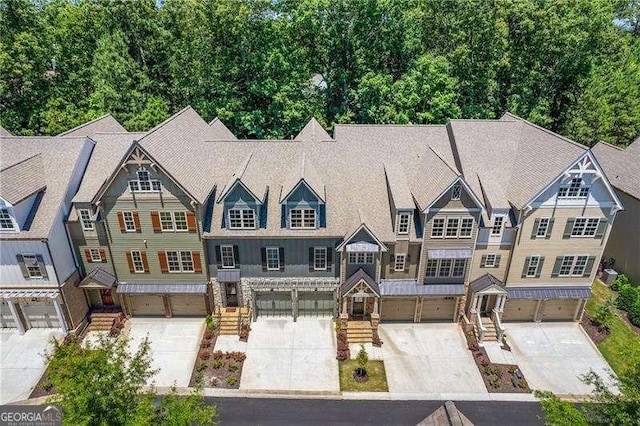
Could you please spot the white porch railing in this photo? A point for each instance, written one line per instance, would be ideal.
(480, 328)
(495, 316)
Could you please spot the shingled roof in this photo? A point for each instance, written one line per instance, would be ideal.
(313, 132)
(106, 123)
(621, 166)
(21, 180)
(4, 132)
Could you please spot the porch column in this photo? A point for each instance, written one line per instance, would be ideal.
(63, 324)
(504, 300)
(474, 305)
(375, 305)
(344, 305)
(16, 317)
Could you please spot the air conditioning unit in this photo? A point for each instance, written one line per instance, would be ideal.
(609, 276)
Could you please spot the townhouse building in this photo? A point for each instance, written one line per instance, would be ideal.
(496, 220)
(623, 245)
(38, 272)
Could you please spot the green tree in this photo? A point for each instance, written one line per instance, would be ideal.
(102, 385)
(605, 312)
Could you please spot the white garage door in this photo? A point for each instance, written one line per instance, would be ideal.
(438, 309)
(147, 304)
(6, 317)
(188, 305)
(559, 310)
(398, 309)
(519, 310)
(40, 314)
(315, 304)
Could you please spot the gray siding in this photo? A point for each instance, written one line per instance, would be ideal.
(296, 256)
(411, 269)
(624, 240)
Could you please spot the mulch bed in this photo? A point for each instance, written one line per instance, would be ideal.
(42, 388)
(216, 369)
(498, 378)
(594, 331)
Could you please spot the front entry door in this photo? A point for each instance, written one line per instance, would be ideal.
(231, 292)
(107, 298)
(483, 305)
(358, 307)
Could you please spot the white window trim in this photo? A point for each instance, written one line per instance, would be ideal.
(584, 230)
(154, 184)
(572, 267)
(133, 261)
(97, 258)
(233, 257)
(499, 234)
(181, 269)
(533, 258)
(399, 259)
(546, 229)
(361, 258)
(277, 252)
(35, 259)
(91, 227)
(172, 216)
(408, 224)
(242, 218)
(317, 250)
(456, 188)
(491, 264)
(451, 268)
(14, 224)
(302, 218)
(566, 187)
(460, 227)
(126, 224)
(446, 227)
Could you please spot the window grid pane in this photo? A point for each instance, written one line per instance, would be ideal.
(466, 227)
(95, 255)
(248, 219)
(32, 265)
(166, 221)
(129, 224)
(543, 225)
(565, 268)
(455, 193)
(319, 258)
(438, 228)
(445, 267)
(452, 227)
(579, 267)
(490, 260)
(532, 268)
(273, 258)
(87, 223)
(180, 221)
(235, 219)
(403, 224)
(227, 258)
(186, 261)
(5, 219)
(458, 268)
(496, 229)
(173, 261)
(432, 267)
(136, 257)
(399, 262)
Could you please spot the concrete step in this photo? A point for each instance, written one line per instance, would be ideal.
(360, 340)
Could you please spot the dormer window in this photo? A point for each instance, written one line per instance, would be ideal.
(242, 219)
(575, 189)
(404, 220)
(144, 183)
(455, 193)
(498, 222)
(302, 218)
(85, 218)
(6, 221)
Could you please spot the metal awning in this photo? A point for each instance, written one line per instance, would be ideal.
(363, 247)
(450, 253)
(184, 288)
(535, 293)
(28, 292)
(288, 284)
(228, 275)
(411, 288)
(98, 278)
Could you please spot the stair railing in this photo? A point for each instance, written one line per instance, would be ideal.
(495, 316)
(480, 328)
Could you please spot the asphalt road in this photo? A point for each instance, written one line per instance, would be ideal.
(267, 411)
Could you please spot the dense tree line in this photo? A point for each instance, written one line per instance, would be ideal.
(570, 65)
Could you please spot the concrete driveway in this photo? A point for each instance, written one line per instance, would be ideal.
(174, 346)
(552, 356)
(428, 358)
(22, 361)
(283, 355)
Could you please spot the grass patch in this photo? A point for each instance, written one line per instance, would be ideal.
(377, 377)
(621, 348)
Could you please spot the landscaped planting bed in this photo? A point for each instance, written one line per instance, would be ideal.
(377, 377)
(498, 378)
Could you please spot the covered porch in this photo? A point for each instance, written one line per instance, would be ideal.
(488, 297)
(98, 285)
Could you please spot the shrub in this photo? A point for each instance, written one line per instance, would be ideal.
(201, 367)
(474, 347)
(362, 357)
(634, 313)
(238, 356)
(204, 345)
(218, 355)
(629, 295)
(232, 368)
(605, 312)
(494, 383)
(211, 323)
(217, 363)
(204, 355)
(620, 282)
(231, 380)
(208, 335)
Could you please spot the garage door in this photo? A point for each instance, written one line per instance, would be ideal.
(558, 310)
(273, 304)
(40, 314)
(6, 317)
(316, 304)
(519, 310)
(398, 309)
(188, 305)
(438, 309)
(147, 304)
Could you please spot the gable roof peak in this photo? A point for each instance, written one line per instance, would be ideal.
(4, 132)
(105, 123)
(303, 171)
(313, 132)
(219, 131)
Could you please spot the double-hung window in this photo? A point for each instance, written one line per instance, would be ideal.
(32, 265)
(356, 258)
(180, 261)
(532, 266)
(432, 267)
(404, 219)
(6, 222)
(95, 255)
(490, 260)
(496, 229)
(437, 229)
(575, 189)
(458, 268)
(138, 264)
(585, 227)
(444, 269)
(273, 259)
(302, 218)
(399, 262)
(227, 258)
(129, 222)
(320, 258)
(466, 227)
(573, 266)
(144, 183)
(242, 219)
(452, 227)
(85, 218)
(173, 221)
(543, 227)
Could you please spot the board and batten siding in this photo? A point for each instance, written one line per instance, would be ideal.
(61, 250)
(10, 271)
(296, 256)
(555, 246)
(118, 199)
(624, 241)
(411, 264)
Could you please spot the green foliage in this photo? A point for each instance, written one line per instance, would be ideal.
(231, 380)
(605, 312)
(629, 296)
(565, 64)
(362, 358)
(210, 322)
(621, 281)
(102, 385)
(558, 412)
